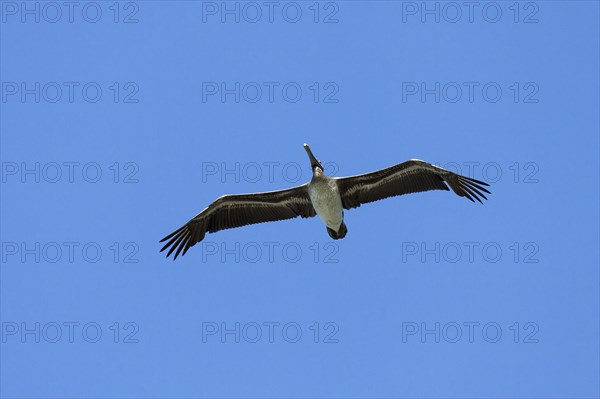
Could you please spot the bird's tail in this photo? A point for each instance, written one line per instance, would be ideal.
(341, 233)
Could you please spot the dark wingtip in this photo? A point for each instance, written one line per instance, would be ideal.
(165, 246)
(174, 239)
(173, 233)
(466, 194)
(483, 189)
(473, 193)
(473, 188)
(476, 181)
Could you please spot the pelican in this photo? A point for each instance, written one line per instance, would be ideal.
(325, 196)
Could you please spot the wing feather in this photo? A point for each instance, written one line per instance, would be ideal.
(230, 211)
(405, 178)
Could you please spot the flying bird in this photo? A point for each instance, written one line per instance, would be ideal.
(325, 196)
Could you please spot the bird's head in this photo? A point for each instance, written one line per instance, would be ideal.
(314, 163)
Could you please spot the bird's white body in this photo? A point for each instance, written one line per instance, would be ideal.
(326, 200)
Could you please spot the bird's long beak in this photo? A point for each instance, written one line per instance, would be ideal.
(313, 160)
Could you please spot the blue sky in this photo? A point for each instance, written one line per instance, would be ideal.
(120, 121)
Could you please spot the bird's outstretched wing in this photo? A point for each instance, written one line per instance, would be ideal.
(408, 177)
(238, 210)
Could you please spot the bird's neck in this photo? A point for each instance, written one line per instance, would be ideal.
(318, 173)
